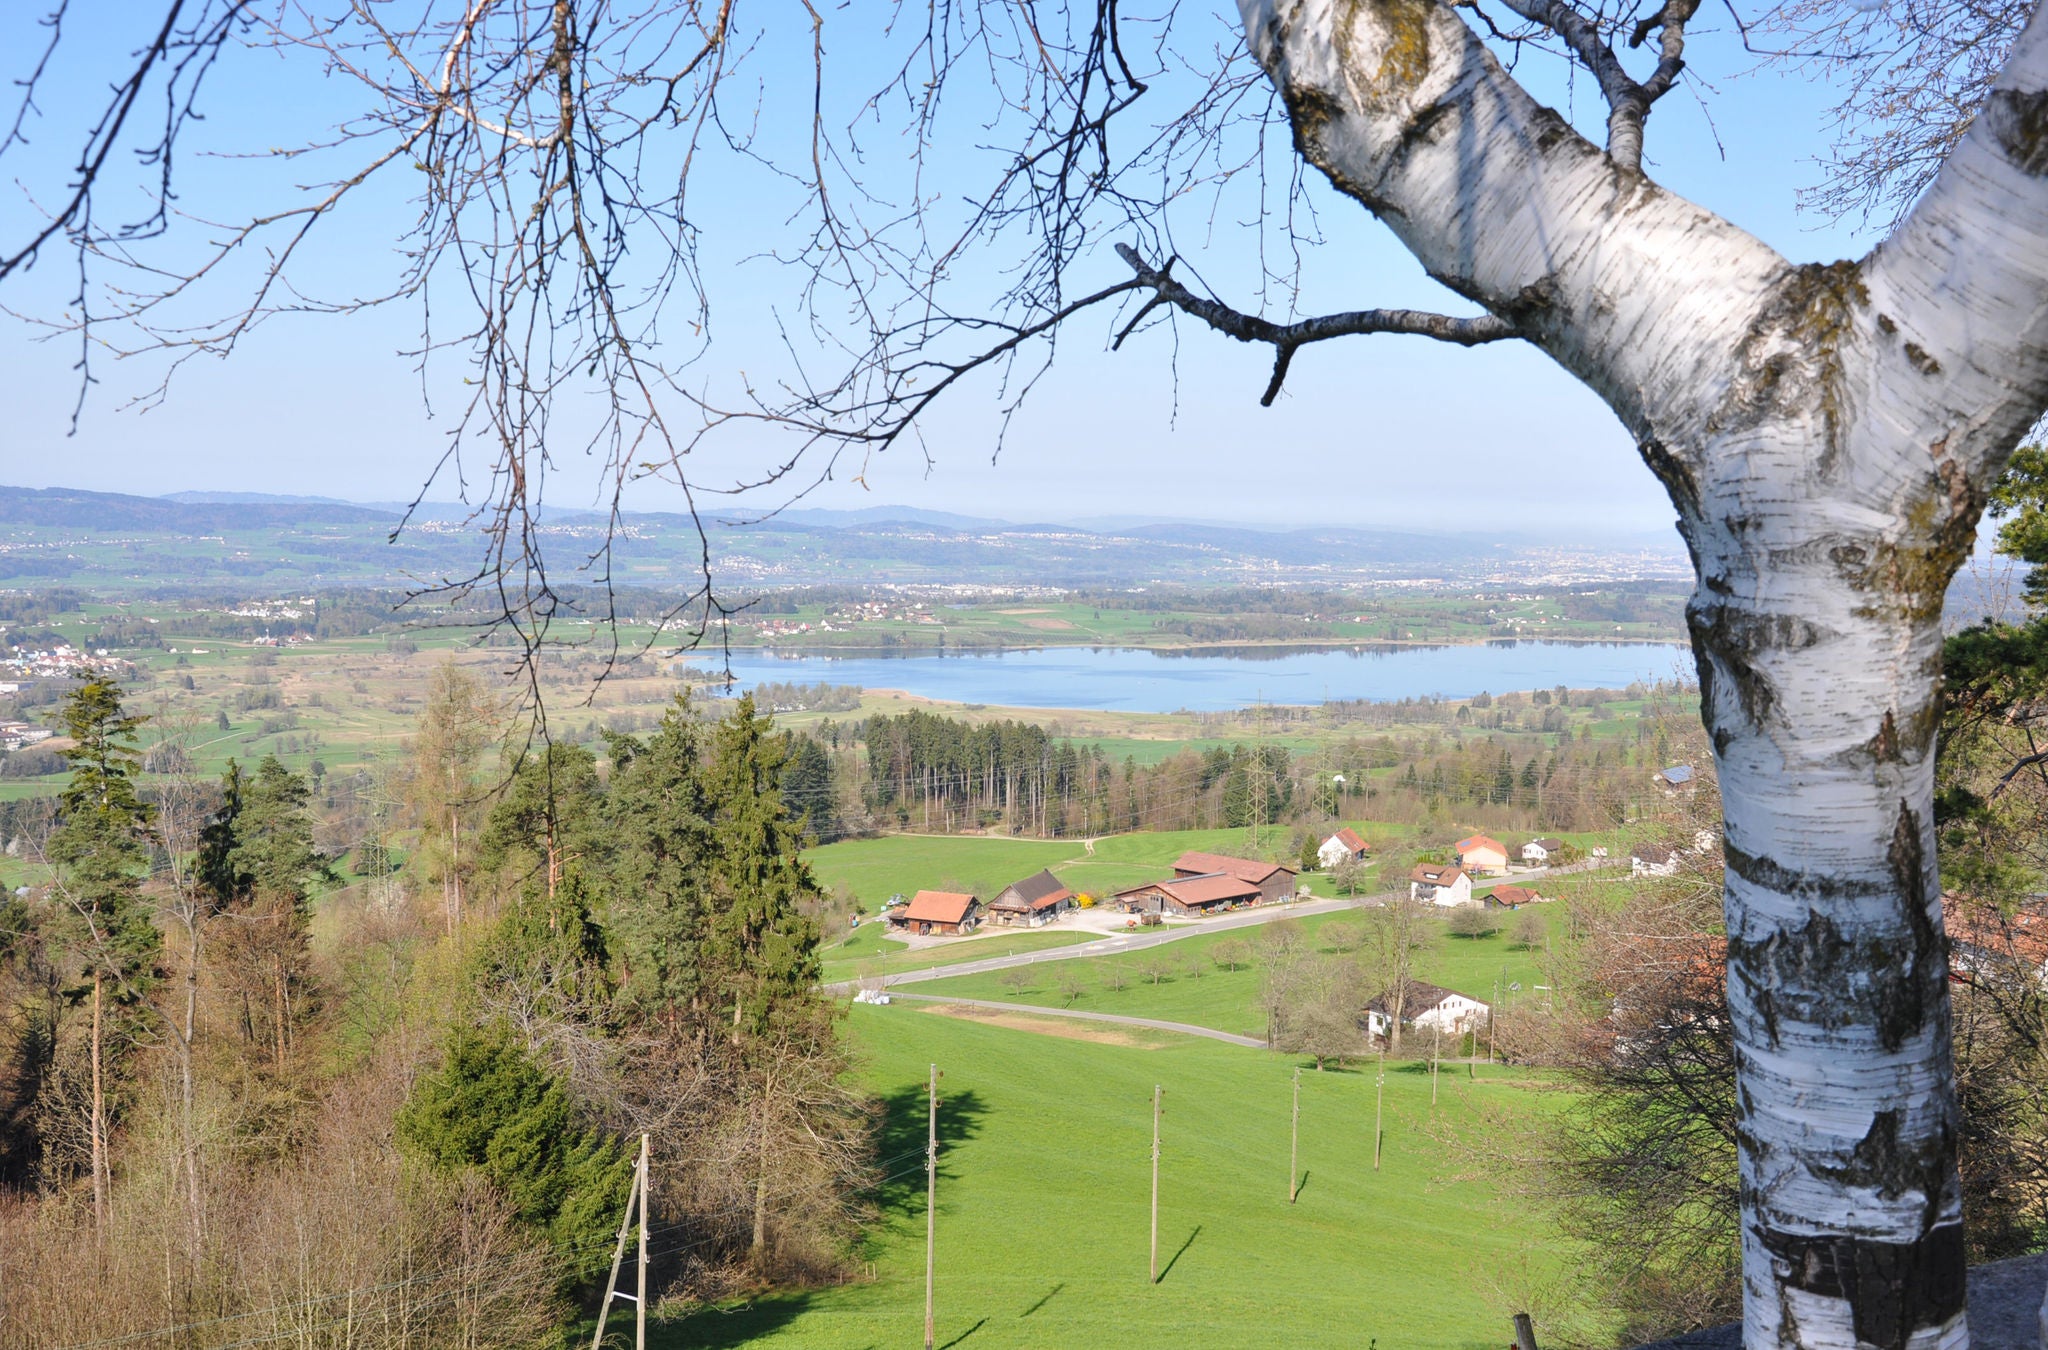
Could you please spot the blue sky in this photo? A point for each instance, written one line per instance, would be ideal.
(1382, 431)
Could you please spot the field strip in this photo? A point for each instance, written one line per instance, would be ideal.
(1148, 1023)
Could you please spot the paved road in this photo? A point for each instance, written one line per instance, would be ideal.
(1136, 940)
(1139, 939)
(1150, 1023)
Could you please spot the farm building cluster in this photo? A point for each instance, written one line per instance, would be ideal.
(1202, 883)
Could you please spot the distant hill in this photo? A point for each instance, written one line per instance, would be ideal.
(263, 541)
(75, 508)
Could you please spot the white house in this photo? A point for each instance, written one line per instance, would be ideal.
(1540, 851)
(1346, 845)
(1429, 1007)
(1440, 884)
(1652, 860)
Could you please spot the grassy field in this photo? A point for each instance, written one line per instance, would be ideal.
(1190, 987)
(1043, 1191)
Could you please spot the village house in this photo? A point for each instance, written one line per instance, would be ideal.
(1429, 1008)
(1031, 903)
(1653, 860)
(1514, 897)
(938, 913)
(1540, 851)
(1439, 884)
(1482, 855)
(1346, 845)
(1190, 896)
(1274, 880)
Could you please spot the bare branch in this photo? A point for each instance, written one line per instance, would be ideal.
(1288, 338)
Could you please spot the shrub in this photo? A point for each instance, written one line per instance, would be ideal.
(493, 1107)
(1476, 921)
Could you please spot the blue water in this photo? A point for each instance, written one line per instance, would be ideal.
(1127, 680)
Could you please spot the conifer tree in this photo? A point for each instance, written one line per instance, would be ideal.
(762, 943)
(257, 857)
(100, 852)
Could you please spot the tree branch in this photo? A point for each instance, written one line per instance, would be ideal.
(1289, 337)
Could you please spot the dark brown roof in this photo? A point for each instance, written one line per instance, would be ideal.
(1548, 845)
(1436, 874)
(1039, 891)
(1655, 854)
(938, 907)
(1196, 864)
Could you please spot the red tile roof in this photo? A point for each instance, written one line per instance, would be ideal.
(938, 907)
(1352, 840)
(1513, 895)
(1195, 864)
(1479, 841)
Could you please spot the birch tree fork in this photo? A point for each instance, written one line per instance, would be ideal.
(1827, 435)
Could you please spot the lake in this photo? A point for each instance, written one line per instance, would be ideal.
(1212, 680)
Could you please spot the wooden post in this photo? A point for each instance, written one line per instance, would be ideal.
(1379, 1111)
(1294, 1143)
(931, 1194)
(611, 1284)
(640, 1294)
(1525, 1332)
(1157, 1093)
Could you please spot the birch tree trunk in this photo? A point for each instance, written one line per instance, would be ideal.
(1826, 434)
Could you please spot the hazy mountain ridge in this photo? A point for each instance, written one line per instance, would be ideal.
(116, 539)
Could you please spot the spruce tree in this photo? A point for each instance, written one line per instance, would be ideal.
(101, 854)
(762, 943)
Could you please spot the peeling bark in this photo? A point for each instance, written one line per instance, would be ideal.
(1826, 433)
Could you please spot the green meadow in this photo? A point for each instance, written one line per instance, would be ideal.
(1045, 1181)
(1183, 981)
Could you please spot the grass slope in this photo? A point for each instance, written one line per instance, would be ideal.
(1193, 989)
(1043, 1195)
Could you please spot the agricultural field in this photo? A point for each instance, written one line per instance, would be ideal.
(1191, 981)
(1044, 1184)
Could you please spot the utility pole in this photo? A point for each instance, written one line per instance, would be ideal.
(636, 1195)
(1294, 1143)
(640, 1296)
(1157, 1093)
(931, 1194)
(1379, 1110)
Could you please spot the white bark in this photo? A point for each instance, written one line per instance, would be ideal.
(1827, 434)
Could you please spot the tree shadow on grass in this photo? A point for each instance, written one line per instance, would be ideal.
(715, 1327)
(900, 1142)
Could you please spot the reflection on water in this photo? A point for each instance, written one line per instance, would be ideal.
(1209, 679)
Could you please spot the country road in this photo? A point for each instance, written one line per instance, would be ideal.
(1140, 939)
(1037, 1010)
(1136, 941)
